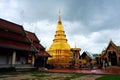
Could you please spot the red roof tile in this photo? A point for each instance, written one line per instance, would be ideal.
(13, 36)
(34, 40)
(43, 53)
(6, 25)
(36, 43)
(32, 36)
(16, 45)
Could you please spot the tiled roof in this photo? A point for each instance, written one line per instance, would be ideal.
(13, 36)
(16, 45)
(88, 54)
(32, 36)
(7, 25)
(34, 39)
(43, 53)
(36, 43)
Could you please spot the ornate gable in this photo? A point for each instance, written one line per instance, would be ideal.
(110, 48)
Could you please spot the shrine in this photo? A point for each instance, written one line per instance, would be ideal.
(60, 50)
(111, 55)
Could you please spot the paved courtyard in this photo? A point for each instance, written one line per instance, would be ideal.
(60, 74)
(48, 76)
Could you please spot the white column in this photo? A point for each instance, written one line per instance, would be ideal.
(13, 58)
(33, 59)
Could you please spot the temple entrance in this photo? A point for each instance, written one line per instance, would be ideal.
(113, 58)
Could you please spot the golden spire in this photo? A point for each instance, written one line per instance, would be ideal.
(59, 26)
(59, 18)
(60, 49)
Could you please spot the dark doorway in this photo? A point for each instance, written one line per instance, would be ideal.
(113, 58)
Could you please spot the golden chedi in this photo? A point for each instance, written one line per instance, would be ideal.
(60, 49)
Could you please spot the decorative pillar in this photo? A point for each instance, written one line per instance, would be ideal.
(13, 58)
(33, 60)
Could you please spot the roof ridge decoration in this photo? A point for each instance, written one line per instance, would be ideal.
(113, 44)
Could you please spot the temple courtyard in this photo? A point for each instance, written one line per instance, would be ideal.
(48, 76)
(55, 76)
(112, 73)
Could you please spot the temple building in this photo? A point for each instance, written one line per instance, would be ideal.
(19, 48)
(87, 59)
(15, 46)
(60, 50)
(41, 56)
(111, 55)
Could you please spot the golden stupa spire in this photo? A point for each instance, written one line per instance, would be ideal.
(59, 18)
(60, 34)
(59, 49)
(59, 26)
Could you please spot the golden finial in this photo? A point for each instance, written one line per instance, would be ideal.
(59, 18)
(59, 12)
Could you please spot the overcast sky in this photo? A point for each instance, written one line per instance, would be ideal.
(91, 24)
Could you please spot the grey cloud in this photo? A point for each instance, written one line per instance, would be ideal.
(80, 17)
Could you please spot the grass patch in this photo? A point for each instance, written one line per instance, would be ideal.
(6, 76)
(74, 76)
(40, 75)
(25, 79)
(13, 73)
(56, 78)
(109, 77)
(35, 72)
(32, 79)
(2, 76)
(9, 73)
(36, 75)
